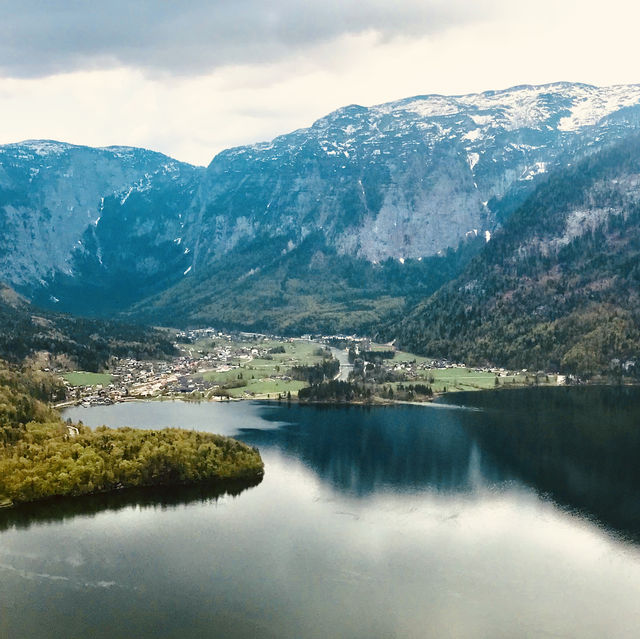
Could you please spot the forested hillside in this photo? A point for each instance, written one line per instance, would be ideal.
(558, 287)
(71, 341)
(307, 289)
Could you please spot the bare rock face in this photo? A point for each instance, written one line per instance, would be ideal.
(410, 178)
(90, 218)
(104, 228)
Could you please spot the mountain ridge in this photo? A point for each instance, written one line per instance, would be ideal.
(120, 228)
(57, 340)
(557, 288)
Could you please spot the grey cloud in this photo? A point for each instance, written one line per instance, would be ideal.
(44, 37)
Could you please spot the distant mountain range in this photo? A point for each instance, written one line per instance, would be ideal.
(337, 227)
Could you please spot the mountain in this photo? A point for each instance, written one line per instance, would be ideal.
(56, 339)
(330, 227)
(91, 227)
(406, 179)
(557, 287)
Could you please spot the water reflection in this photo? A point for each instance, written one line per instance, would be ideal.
(576, 446)
(62, 509)
(394, 522)
(579, 446)
(362, 450)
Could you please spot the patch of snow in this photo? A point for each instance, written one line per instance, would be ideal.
(433, 106)
(596, 103)
(473, 135)
(481, 120)
(472, 159)
(532, 171)
(120, 151)
(126, 197)
(45, 147)
(515, 108)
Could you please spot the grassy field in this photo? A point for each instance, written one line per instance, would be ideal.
(464, 379)
(81, 378)
(265, 387)
(261, 374)
(403, 356)
(458, 379)
(468, 379)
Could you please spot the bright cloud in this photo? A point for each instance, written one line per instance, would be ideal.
(190, 79)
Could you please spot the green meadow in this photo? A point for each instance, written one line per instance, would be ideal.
(82, 378)
(263, 374)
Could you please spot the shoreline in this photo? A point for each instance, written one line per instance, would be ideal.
(376, 401)
(379, 401)
(221, 484)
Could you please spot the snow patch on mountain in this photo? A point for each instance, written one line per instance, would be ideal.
(594, 104)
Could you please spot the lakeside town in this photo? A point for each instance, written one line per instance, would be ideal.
(214, 365)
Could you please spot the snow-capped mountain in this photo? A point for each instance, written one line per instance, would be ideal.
(406, 180)
(409, 178)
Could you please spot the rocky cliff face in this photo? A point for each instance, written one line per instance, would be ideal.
(95, 230)
(410, 178)
(78, 219)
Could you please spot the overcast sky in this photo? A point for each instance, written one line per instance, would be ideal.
(194, 77)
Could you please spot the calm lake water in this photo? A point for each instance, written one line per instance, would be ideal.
(508, 514)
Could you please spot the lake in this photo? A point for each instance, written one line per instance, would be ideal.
(498, 514)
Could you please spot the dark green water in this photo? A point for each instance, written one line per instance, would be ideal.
(516, 516)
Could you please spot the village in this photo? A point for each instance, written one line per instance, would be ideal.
(214, 365)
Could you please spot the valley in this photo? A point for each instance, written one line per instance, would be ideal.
(319, 320)
(217, 366)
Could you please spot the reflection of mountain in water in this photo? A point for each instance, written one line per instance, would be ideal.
(360, 450)
(56, 510)
(579, 445)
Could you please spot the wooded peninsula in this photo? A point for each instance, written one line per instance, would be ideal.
(41, 456)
